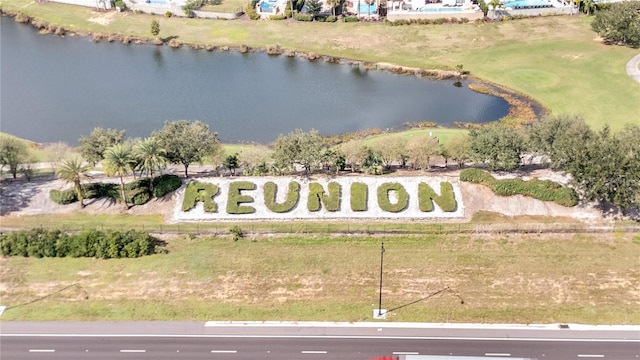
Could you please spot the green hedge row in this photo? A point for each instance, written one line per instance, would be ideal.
(138, 192)
(317, 196)
(236, 198)
(203, 192)
(545, 190)
(270, 193)
(446, 200)
(359, 196)
(92, 243)
(383, 197)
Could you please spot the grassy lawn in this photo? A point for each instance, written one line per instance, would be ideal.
(555, 60)
(515, 278)
(226, 6)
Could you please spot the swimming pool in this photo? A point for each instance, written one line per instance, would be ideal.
(440, 9)
(156, 2)
(366, 9)
(527, 4)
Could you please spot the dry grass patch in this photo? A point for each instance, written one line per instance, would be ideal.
(515, 278)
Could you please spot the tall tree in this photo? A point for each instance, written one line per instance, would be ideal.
(187, 142)
(232, 163)
(119, 161)
(497, 145)
(606, 168)
(92, 147)
(354, 152)
(300, 148)
(619, 24)
(459, 149)
(150, 157)
(57, 152)
(155, 27)
(421, 149)
(391, 149)
(13, 153)
(74, 171)
(314, 7)
(255, 159)
(333, 4)
(558, 137)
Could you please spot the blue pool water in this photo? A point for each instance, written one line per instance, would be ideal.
(366, 9)
(440, 9)
(156, 2)
(527, 4)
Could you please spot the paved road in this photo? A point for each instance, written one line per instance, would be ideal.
(219, 341)
(632, 68)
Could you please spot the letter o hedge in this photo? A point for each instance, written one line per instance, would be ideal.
(383, 197)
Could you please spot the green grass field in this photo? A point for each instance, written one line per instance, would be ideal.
(510, 278)
(555, 60)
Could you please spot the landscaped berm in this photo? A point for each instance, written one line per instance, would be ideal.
(319, 270)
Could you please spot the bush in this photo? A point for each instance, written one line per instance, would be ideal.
(162, 185)
(359, 196)
(277, 17)
(237, 233)
(303, 17)
(251, 11)
(446, 200)
(331, 18)
(270, 192)
(120, 4)
(98, 190)
(92, 243)
(350, 19)
(168, 14)
(619, 24)
(236, 198)
(383, 197)
(63, 197)
(317, 196)
(538, 189)
(197, 191)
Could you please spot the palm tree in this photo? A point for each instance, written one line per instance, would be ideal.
(73, 171)
(150, 156)
(333, 4)
(118, 160)
(494, 5)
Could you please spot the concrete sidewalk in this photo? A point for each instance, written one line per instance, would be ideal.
(632, 68)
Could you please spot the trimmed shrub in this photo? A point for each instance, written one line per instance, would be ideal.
(91, 243)
(195, 192)
(350, 19)
(359, 196)
(168, 14)
(446, 200)
(331, 18)
(164, 184)
(277, 17)
(544, 190)
(270, 194)
(63, 197)
(303, 17)
(236, 198)
(317, 197)
(98, 190)
(383, 197)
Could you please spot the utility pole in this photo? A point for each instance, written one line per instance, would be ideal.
(380, 315)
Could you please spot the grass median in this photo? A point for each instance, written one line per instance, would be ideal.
(556, 60)
(511, 278)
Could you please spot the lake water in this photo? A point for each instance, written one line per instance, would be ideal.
(59, 89)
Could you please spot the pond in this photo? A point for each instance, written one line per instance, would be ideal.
(59, 89)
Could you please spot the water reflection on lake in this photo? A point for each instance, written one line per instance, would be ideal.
(58, 89)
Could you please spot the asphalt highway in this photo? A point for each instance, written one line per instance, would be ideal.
(298, 341)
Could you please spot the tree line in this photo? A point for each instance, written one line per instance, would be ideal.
(604, 166)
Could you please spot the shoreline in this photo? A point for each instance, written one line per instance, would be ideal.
(519, 104)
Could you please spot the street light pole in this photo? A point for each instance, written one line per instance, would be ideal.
(381, 261)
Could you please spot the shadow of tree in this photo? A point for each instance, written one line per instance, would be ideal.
(16, 195)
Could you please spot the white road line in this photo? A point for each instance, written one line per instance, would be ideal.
(497, 354)
(313, 352)
(360, 337)
(406, 353)
(42, 350)
(133, 351)
(590, 356)
(224, 351)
